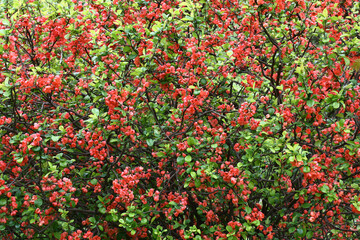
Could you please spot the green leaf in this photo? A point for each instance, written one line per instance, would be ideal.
(306, 169)
(57, 235)
(271, 110)
(193, 175)
(325, 188)
(92, 220)
(177, 224)
(20, 160)
(38, 202)
(3, 32)
(325, 13)
(132, 56)
(129, 220)
(192, 141)
(336, 105)
(292, 229)
(5, 22)
(95, 111)
(188, 158)
(150, 142)
(144, 221)
(138, 71)
(306, 205)
(55, 138)
(197, 183)
(186, 183)
(203, 81)
(160, 154)
(229, 228)
(94, 181)
(127, 49)
(229, 53)
(180, 160)
(256, 222)
(301, 231)
(356, 65)
(310, 103)
(3, 202)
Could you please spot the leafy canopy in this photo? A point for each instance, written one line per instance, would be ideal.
(165, 119)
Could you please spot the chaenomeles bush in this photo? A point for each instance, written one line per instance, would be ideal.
(201, 119)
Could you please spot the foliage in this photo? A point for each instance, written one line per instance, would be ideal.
(165, 119)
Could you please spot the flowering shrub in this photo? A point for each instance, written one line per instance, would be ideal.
(200, 119)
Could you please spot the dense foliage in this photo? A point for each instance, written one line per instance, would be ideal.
(188, 119)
